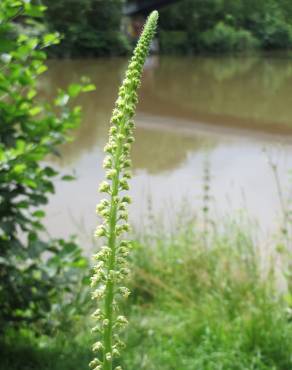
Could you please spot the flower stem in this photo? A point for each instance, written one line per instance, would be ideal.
(111, 267)
(109, 295)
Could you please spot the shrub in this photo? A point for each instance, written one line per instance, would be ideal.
(275, 33)
(101, 43)
(88, 27)
(173, 42)
(225, 38)
(33, 271)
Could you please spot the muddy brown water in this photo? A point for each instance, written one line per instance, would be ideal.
(234, 111)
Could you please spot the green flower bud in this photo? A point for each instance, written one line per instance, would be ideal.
(97, 314)
(126, 148)
(101, 207)
(94, 363)
(122, 207)
(97, 347)
(127, 163)
(108, 148)
(98, 293)
(121, 137)
(102, 254)
(123, 251)
(95, 279)
(116, 352)
(107, 162)
(111, 174)
(100, 231)
(127, 175)
(95, 329)
(98, 267)
(121, 261)
(104, 213)
(126, 199)
(104, 187)
(125, 244)
(123, 216)
(124, 184)
(125, 271)
(121, 321)
(108, 356)
(113, 130)
(125, 292)
(105, 322)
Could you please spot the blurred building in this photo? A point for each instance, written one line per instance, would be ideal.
(135, 13)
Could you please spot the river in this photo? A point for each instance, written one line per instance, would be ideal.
(234, 113)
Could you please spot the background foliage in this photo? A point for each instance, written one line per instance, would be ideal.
(89, 27)
(34, 270)
(230, 25)
(191, 308)
(92, 27)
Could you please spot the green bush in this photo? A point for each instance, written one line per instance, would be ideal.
(88, 27)
(34, 271)
(225, 38)
(229, 25)
(101, 44)
(276, 34)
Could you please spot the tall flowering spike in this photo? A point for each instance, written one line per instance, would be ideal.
(110, 267)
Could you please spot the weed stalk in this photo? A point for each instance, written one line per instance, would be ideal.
(110, 269)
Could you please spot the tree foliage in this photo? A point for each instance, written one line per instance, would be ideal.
(88, 27)
(94, 27)
(33, 270)
(228, 25)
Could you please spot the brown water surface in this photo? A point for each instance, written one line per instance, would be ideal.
(224, 109)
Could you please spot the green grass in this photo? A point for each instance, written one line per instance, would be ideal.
(192, 308)
(26, 352)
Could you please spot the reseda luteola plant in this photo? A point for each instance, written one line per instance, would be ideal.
(111, 268)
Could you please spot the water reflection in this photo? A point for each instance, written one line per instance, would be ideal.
(231, 107)
(251, 92)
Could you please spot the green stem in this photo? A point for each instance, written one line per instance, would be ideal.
(109, 295)
(116, 163)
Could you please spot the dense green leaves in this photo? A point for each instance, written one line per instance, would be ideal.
(33, 271)
(224, 37)
(94, 27)
(88, 27)
(229, 25)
